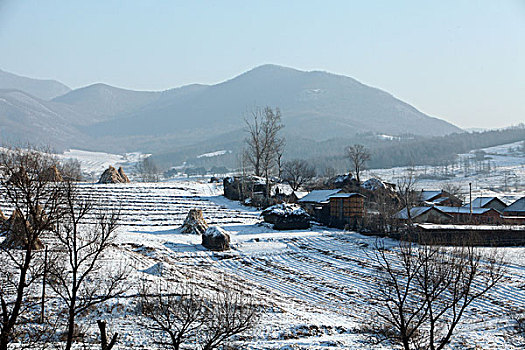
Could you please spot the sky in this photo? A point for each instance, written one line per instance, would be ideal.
(462, 61)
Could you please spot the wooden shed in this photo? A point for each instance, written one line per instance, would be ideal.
(346, 207)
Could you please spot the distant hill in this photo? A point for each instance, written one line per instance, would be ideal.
(316, 107)
(99, 102)
(43, 89)
(25, 118)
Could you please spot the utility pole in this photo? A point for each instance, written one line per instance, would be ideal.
(470, 194)
(42, 306)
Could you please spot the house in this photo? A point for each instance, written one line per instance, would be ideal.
(439, 197)
(239, 187)
(317, 204)
(424, 215)
(515, 209)
(346, 208)
(487, 202)
(478, 215)
(296, 195)
(317, 198)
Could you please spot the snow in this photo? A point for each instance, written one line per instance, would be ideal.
(284, 209)
(507, 166)
(94, 163)
(215, 231)
(318, 196)
(316, 283)
(213, 154)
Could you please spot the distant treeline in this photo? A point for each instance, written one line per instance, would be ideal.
(440, 150)
(329, 156)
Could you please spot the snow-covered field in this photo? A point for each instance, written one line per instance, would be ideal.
(505, 179)
(93, 164)
(315, 283)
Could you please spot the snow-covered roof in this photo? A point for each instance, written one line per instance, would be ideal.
(440, 200)
(429, 195)
(480, 202)
(463, 210)
(414, 212)
(319, 196)
(345, 195)
(373, 184)
(284, 210)
(518, 205)
(300, 194)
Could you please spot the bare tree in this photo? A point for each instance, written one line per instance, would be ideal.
(104, 336)
(455, 190)
(408, 195)
(297, 172)
(184, 315)
(263, 141)
(425, 290)
(358, 155)
(228, 314)
(37, 208)
(148, 170)
(79, 277)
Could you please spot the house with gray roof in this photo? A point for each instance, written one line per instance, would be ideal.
(424, 215)
(516, 209)
(487, 202)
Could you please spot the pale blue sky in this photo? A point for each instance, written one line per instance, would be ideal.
(463, 61)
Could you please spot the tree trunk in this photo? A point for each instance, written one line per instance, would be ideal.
(71, 320)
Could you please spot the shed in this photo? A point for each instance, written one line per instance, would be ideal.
(317, 204)
(346, 209)
(463, 214)
(424, 215)
(487, 202)
(516, 209)
(439, 197)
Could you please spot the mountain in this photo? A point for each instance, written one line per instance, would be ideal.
(99, 102)
(316, 107)
(43, 89)
(25, 118)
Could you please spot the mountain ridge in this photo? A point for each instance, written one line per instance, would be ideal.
(315, 105)
(45, 89)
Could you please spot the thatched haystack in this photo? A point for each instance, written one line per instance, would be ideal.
(215, 238)
(194, 223)
(18, 230)
(113, 176)
(286, 217)
(123, 176)
(51, 174)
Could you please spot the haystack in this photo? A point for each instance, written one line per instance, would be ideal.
(113, 176)
(194, 223)
(286, 217)
(215, 238)
(122, 175)
(51, 174)
(17, 233)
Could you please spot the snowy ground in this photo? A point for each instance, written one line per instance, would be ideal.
(506, 178)
(315, 283)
